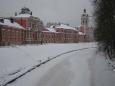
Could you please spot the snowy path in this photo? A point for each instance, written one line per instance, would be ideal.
(20, 60)
(18, 74)
(72, 71)
(69, 70)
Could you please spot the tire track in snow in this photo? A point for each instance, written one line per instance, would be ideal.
(38, 65)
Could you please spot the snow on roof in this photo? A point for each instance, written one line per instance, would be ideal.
(23, 15)
(51, 32)
(79, 26)
(81, 33)
(51, 29)
(65, 27)
(8, 23)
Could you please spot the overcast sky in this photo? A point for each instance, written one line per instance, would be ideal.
(67, 11)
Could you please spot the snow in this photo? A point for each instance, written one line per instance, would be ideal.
(81, 33)
(25, 57)
(23, 15)
(79, 26)
(84, 67)
(8, 23)
(51, 29)
(65, 27)
(102, 74)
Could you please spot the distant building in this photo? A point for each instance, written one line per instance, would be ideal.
(49, 24)
(11, 32)
(24, 28)
(70, 33)
(32, 24)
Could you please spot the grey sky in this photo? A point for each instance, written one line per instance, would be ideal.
(67, 11)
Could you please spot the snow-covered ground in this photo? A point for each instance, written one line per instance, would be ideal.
(79, 68)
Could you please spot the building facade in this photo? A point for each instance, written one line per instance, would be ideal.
(33, 25)
(24, 28)
(11, 32)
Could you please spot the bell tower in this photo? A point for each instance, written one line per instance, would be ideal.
(84, 21)
(84, 18)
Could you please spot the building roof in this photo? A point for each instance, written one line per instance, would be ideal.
(24, 15)
(51, 29)
(65, 27)
(81, 33)
(8, 23)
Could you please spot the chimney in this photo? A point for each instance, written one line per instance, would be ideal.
(11, 20)
(2, 20)
(31, 13)
(15, 13)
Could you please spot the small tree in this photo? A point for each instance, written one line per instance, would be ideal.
(105, 26)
